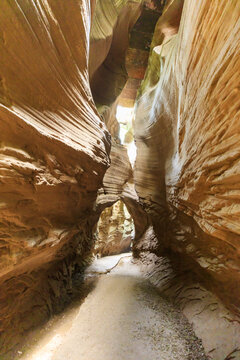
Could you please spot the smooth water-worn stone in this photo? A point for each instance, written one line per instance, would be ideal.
(187, 133)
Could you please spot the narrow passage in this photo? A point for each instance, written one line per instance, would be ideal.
(124, 318)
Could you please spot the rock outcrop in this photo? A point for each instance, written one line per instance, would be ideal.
(53, 156)
(187, 133)
(112, 23)
(118, 181)
(62, 163)
(115, 230)
(55, 146)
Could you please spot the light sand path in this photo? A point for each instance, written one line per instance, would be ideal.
(123, 318)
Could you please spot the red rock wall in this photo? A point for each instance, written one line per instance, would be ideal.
(54, 147)
(188, 131)
(53, 143)
(53, 155)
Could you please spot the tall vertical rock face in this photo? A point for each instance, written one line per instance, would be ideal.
(188, 138)
(55, 178)
(53, 155)
(54, 147)
(109, 42)
(123, 49)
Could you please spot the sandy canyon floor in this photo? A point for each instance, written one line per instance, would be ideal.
(123, 318)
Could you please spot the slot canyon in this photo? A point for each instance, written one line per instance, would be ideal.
(119, 179)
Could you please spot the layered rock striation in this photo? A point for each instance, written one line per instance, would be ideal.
(53, 155)
(187, 134)
(60, 169)
(112, 23)
(115, 230)
(55, 146)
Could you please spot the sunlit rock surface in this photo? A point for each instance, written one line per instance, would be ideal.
(53, 155)
(115, 230)
(55, 172)
(121, 35)
(55, 147)
(187, 131)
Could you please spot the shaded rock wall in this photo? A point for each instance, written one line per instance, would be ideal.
(53, 143)
(108, 67)
(54, 146)
(129, 66)
(53, 155)
(215, 325)
(118, 185)
(187, 133)
(109, 42)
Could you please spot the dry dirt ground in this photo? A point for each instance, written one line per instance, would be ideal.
(122, 318)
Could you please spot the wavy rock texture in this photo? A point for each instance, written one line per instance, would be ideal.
(120, 66)
(115, 230)
(54, 146)
(118, 180)
(53, 155)
(215, 325)
(54, 152)
(187, 132)
(112, 23)
(118, 185)
(109, 42)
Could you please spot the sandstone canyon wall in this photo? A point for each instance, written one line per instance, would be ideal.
(54, 152)
(187, 133)
(123, 71)
(112, 23)
(55, 148)
(115, 230)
